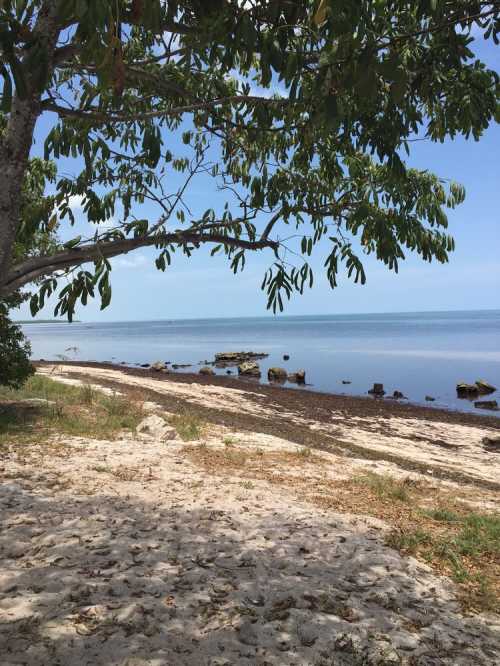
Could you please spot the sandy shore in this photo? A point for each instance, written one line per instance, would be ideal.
(133, 553)
(439, 443)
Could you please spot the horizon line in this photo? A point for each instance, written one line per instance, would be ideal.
(265, 316)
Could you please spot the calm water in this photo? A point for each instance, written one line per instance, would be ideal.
(419, 353)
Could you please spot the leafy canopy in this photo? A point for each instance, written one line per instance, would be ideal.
(301, 111)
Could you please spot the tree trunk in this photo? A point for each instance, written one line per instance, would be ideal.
(17, 140)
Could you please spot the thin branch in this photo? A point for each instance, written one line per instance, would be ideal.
(99, 117)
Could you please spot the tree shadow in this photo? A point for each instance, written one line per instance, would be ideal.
(104, 579)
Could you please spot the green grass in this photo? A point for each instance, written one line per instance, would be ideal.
(442, 515)
(71, 410)
(467, 547)
(385, 486)
(408, 541)
(479, 535)
(189, 426)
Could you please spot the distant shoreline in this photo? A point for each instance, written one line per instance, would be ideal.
(46, 321)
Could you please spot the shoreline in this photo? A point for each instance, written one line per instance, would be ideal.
(356, 405)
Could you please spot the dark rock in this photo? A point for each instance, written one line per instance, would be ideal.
(277, 374)
(377, 390)
(249, 369)
(492, 444)
(298, 377)
(286, 357)
(144, 365)
(206, 371)
(397, 395)
(465, 390)
(484, 387)
(346, 381)
(175, 366)
(247, 634)
(429, 398)
(224, 359)
(486, 404)
(229, 372)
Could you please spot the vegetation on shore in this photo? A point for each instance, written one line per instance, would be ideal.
(43, 408)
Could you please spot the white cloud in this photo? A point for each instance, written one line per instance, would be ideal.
(75, 202)
(134, 260)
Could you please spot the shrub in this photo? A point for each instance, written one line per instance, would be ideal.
(15, 350)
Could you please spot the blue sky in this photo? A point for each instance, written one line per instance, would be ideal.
(205, 287)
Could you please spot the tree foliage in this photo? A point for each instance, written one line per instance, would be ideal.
(301, 111)
(15, 350)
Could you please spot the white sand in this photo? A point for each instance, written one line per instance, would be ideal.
(125, 553)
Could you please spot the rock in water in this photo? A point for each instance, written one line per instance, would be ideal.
(154, 427)
(486, 404)
(225, 359)
(465, 390)
(206, 371)
(377, 390)
(158, 365)
(485, 387)
(429, 398)
(277, 374)
(286, 357)
(249, 368)
(298, 377)
(397, 395)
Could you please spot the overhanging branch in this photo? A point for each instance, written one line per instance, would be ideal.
(36, 267)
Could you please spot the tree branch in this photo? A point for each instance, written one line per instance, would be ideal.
(36, 267)
(100, 117)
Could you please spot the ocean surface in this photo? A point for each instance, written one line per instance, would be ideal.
(418, 353)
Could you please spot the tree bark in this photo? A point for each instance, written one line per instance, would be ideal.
(16, 143)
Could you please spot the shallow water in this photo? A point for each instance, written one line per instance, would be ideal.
(417, 353)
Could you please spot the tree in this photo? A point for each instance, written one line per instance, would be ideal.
(358, 82)
(36, 236)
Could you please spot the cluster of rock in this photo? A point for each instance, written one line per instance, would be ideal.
(479, 388)
(279, 375)
(228, 359)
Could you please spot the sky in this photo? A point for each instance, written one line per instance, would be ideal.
(205, 287)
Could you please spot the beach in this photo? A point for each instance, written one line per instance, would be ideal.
(262, 526)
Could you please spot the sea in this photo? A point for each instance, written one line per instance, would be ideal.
(421, 354)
